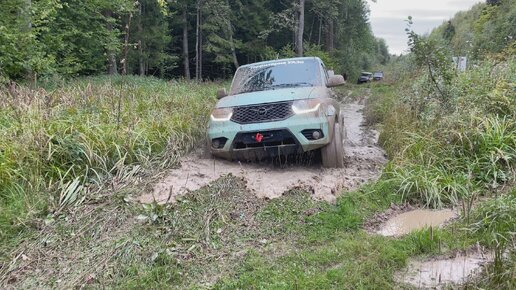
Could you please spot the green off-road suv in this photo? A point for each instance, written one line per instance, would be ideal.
(279, 107)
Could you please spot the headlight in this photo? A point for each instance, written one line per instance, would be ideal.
(221, 114)
(306, 106)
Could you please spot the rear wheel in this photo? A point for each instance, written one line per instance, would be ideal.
(333, 153)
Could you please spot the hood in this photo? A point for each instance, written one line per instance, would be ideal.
(271, 96)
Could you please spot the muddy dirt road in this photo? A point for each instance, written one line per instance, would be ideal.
(364, 161)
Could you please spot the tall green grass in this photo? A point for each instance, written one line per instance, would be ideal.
(450, 153)
(61, 144)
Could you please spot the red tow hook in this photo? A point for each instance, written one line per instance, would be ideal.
(258, 137)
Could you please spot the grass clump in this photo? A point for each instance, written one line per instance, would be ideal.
(496, 224)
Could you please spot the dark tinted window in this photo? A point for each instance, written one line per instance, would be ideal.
(276, 75)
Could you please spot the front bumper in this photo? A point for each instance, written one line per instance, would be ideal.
(237, 141)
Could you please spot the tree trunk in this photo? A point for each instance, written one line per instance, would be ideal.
(186, 58)
(233, 49)
(330, 36)
(141, 60)
(197, 42)
(320, 31)
(29, 14)
(295, 28)
(112, 65)
(200, 45)
(125, 48)
(311, 30)
(31, 76)
(300, 28)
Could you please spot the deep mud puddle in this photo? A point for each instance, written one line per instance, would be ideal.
(407, 222)
(364, 162)
(443, 272)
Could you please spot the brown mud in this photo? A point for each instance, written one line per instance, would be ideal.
(364, 162)
(409, 221)
(445, 272)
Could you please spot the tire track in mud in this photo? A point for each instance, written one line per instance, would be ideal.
(364, 163)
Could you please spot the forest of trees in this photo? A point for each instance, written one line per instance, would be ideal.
(486, 28)
(194, 39)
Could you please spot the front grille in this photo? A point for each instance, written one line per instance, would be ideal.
(262, 113)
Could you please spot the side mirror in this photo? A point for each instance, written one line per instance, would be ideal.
(335, 81)
(221, 93)
(331, 73)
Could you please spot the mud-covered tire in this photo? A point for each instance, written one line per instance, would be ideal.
(343, 130)
(205, 152)
(332, 155)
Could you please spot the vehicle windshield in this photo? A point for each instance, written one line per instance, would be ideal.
(276, 75)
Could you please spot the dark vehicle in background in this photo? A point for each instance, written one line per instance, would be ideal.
(377, 75)
(365, 77)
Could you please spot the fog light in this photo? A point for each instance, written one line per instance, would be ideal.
(316, 135)
(216, 143)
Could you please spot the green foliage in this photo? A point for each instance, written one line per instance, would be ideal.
(23, 41)
(435, 58)
(219, 30)
(150, 37)
(484, 29)
(317, 50)
(382, 55)
(57, 36)
(356, 49)
(494, 30)
(76, 38)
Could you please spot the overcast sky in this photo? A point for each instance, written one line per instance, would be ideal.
(387, 18)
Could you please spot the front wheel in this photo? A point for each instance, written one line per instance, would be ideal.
(333, 153)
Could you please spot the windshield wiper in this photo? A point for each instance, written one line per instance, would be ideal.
(256, 90)
(292, 85)
(272, 87)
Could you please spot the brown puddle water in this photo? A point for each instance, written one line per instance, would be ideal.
(442, 272)
(407, 222)
(364, 162)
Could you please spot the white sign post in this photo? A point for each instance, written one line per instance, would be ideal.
(460, 63)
